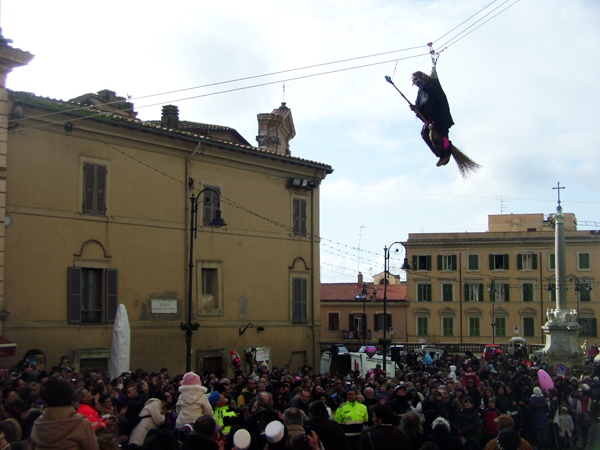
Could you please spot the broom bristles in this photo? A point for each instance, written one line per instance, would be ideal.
(466, 166)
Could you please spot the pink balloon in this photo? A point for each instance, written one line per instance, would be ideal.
(545, 380)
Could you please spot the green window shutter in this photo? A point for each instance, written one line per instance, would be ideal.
(520, 261)
(534, 261)
(415, 265)
(466, 297)
(74, 295)
(375, 323)
(505, 262)
(454, 262)
(506, 292)
(439, 259)
(480, 292)
(428, 259)
(491, 262)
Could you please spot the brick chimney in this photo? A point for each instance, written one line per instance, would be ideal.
(360, 279)
(170, 117)
(276, 130)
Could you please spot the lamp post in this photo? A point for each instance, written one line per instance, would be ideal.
(580, 283)
(493, 292)
(386, 268)
(217, 221)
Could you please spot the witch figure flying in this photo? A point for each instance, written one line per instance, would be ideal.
(431, 106)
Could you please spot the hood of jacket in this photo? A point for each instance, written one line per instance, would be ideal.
(191, 394)
(55, 424)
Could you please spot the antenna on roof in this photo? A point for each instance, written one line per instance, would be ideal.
(283, 94)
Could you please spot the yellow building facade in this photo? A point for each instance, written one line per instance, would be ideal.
(489, 286)
(100, 215)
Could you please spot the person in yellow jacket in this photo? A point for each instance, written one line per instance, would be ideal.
(352, 417)
(221, 411)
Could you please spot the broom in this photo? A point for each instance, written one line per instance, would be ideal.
(466, 166)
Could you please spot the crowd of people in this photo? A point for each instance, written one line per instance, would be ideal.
(442, 402)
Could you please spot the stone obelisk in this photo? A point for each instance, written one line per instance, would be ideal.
(561, 328)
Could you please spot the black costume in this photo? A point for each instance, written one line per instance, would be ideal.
(433, 106)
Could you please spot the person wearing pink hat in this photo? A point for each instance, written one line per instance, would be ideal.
(193, 401)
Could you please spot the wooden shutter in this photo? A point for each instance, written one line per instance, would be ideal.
(88, 188)
(520, 261)
(111, 295)
(440, 263)
(428, 259)
(299, 300)
(506, 292)
(454, 262)
(74, 295)
(415, 264)
(388, 321)
(492, 262)
(100, 189)
(466, 292)
(534, 261)
(480, 292)
(505, 261)
(375, 322)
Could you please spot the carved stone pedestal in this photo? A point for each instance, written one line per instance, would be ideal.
(562, 339)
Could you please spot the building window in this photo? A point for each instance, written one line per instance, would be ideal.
(474, 326)
(358, 323)
(422, 326)
(474, 292)
(334, 321)
(447, 263)
(552, 292)
(423, 292)
(528, 326)
(500, 326)
(210, 287)
(299, 217)
(498, 262)
(473, 262)
(447, 292)
(588, 327)
(422, 262)
(94, 189)
(583, 261)
(585, 292)
(210, 203)
(447, 326)
(380, 322)
(527, 261)
(527, 292)
(92, 295)
(299, 300)
(551, 261)
(501, 293)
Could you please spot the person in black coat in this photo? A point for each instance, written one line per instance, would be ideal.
(441, 435)
(383, 435)
(329, 432)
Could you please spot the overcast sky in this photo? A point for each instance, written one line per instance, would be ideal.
(521, 77)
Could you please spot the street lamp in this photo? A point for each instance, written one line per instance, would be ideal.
(580, 283)
(217, 221)
(493, 292)
(386, 268)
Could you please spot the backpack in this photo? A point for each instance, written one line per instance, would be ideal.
(131, 423)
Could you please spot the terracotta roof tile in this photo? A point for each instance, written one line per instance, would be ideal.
(348, 291)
